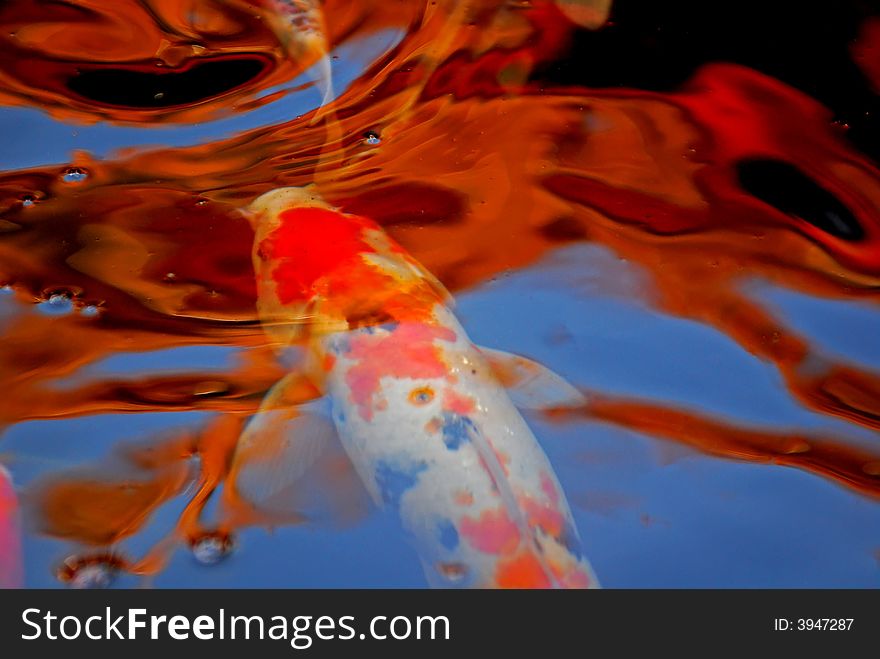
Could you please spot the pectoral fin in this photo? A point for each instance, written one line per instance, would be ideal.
(285, 461)
(532, 386)
(279, 444)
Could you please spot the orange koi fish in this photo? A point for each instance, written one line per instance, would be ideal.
(420, 410)
(10, 542)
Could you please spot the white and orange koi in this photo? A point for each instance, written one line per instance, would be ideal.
(10, 539)
(419, 409)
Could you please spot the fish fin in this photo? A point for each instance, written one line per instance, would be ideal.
(290, 467)
(531, 385)
(278, 447)
(275, 450)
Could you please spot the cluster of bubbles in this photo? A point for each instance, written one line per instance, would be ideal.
(89, 572)
(61, 303)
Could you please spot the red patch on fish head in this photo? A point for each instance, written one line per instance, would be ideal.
(310, 243)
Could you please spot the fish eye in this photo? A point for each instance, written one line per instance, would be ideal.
(421, 396)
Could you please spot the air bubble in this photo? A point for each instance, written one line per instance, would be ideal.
(211, 548)
(372, 138)
(92, 576)
(452, 571)
(91, 311)
(74, 175)
(90, 571)
(57, 304)
(28, 200)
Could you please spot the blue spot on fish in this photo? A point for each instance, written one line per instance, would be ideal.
(394, 481)
(569, 539)
(340, 344)
(456, 430)
(448, 534)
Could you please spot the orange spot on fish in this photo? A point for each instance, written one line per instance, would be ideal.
(433, 426)
(543, 516)
(457, 403)
(571, 575)
(492, 532)
(548, 487)
(329, 362)
(522, 571)
(464, 498)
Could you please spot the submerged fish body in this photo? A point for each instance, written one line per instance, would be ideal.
(10, 549)
(300, 29)
(299, 26)
(418, 408)
(434, 437)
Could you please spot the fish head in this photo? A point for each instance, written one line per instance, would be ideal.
(322, 270)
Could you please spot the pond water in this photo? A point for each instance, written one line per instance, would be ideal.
(676, 210)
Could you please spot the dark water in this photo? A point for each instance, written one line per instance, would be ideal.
(679, 212)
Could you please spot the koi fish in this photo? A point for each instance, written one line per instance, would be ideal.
(419, 409)
(299, 27)
(10, 549)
